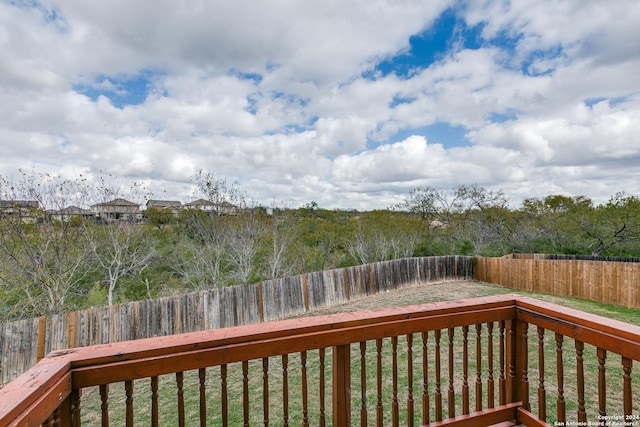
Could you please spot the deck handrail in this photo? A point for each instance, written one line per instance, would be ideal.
(54, 383)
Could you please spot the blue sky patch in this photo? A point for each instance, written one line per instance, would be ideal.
(613, 102)
(438, 133)
(590, 102)
(397, 100)
(254, 77)
(449, 32)
(529, 68)
(120, 90)
(504, 116)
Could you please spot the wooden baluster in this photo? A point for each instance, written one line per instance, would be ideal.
(75, 407)
(582, 415)
(438, 392)
(452, 394)
(522, 369)
(602, 382)
(410, 380)
(490, 381)
(265, 391)
(502, 390)
(56, 421)
(542, 394)
(202, 376)
(465, 370)
(511, 355)
(363, 383)
(128, 387)
(104, 407)
(180, 393)
(305, 393)
(425, 379)
(322, 419)
(285, 390)
(478, 367)
(379, 419)
(245, 392)
(627, 403)
(395, 415)
(561, 404)
(224, 396)
(52, 420)
(155, 419)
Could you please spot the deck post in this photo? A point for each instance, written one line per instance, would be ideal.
(341, 373)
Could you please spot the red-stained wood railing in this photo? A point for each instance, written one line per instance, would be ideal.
(473, 362)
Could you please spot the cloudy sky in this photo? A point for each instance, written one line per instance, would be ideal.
(350, 104)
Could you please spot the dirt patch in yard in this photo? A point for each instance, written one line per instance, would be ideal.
(417, 294)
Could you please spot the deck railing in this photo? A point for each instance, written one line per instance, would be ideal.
(503, 359)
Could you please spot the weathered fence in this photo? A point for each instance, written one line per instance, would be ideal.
(24, 342)
(611, 282)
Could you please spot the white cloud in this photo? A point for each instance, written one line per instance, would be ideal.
(272, 94)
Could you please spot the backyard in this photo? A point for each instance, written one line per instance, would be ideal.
(286, 373)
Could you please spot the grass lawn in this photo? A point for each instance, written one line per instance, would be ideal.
(415, 295)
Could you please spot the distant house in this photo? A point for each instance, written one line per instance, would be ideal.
(117, 209)
(223, 208)
(172, 207)
(69, 213)
(201, 205)
(226, 208)
(25, 210)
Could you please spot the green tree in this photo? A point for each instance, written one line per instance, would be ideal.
(550, 225)
(612, 224)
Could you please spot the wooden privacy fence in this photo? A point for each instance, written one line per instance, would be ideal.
(24, 342)
(610, 282)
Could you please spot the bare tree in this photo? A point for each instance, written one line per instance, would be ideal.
(247, 231)
(368, 245)
(220, 192)
(120, 249)
(201, 253)
(203, 256)
(45, 260)
(283, 234)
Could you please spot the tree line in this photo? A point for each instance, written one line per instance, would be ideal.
(52, 266)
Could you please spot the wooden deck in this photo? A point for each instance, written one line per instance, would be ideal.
(470, 362)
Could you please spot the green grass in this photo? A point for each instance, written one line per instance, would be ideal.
(168, 398)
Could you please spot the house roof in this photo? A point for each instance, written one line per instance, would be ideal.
(116, 202)
(73, 210)
(163, 203)
(200, 202)
(19, 204)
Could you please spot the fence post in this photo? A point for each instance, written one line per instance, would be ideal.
(341, 373)
(305, 292)
(42, 333)
(71, 332)
(347, 288)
